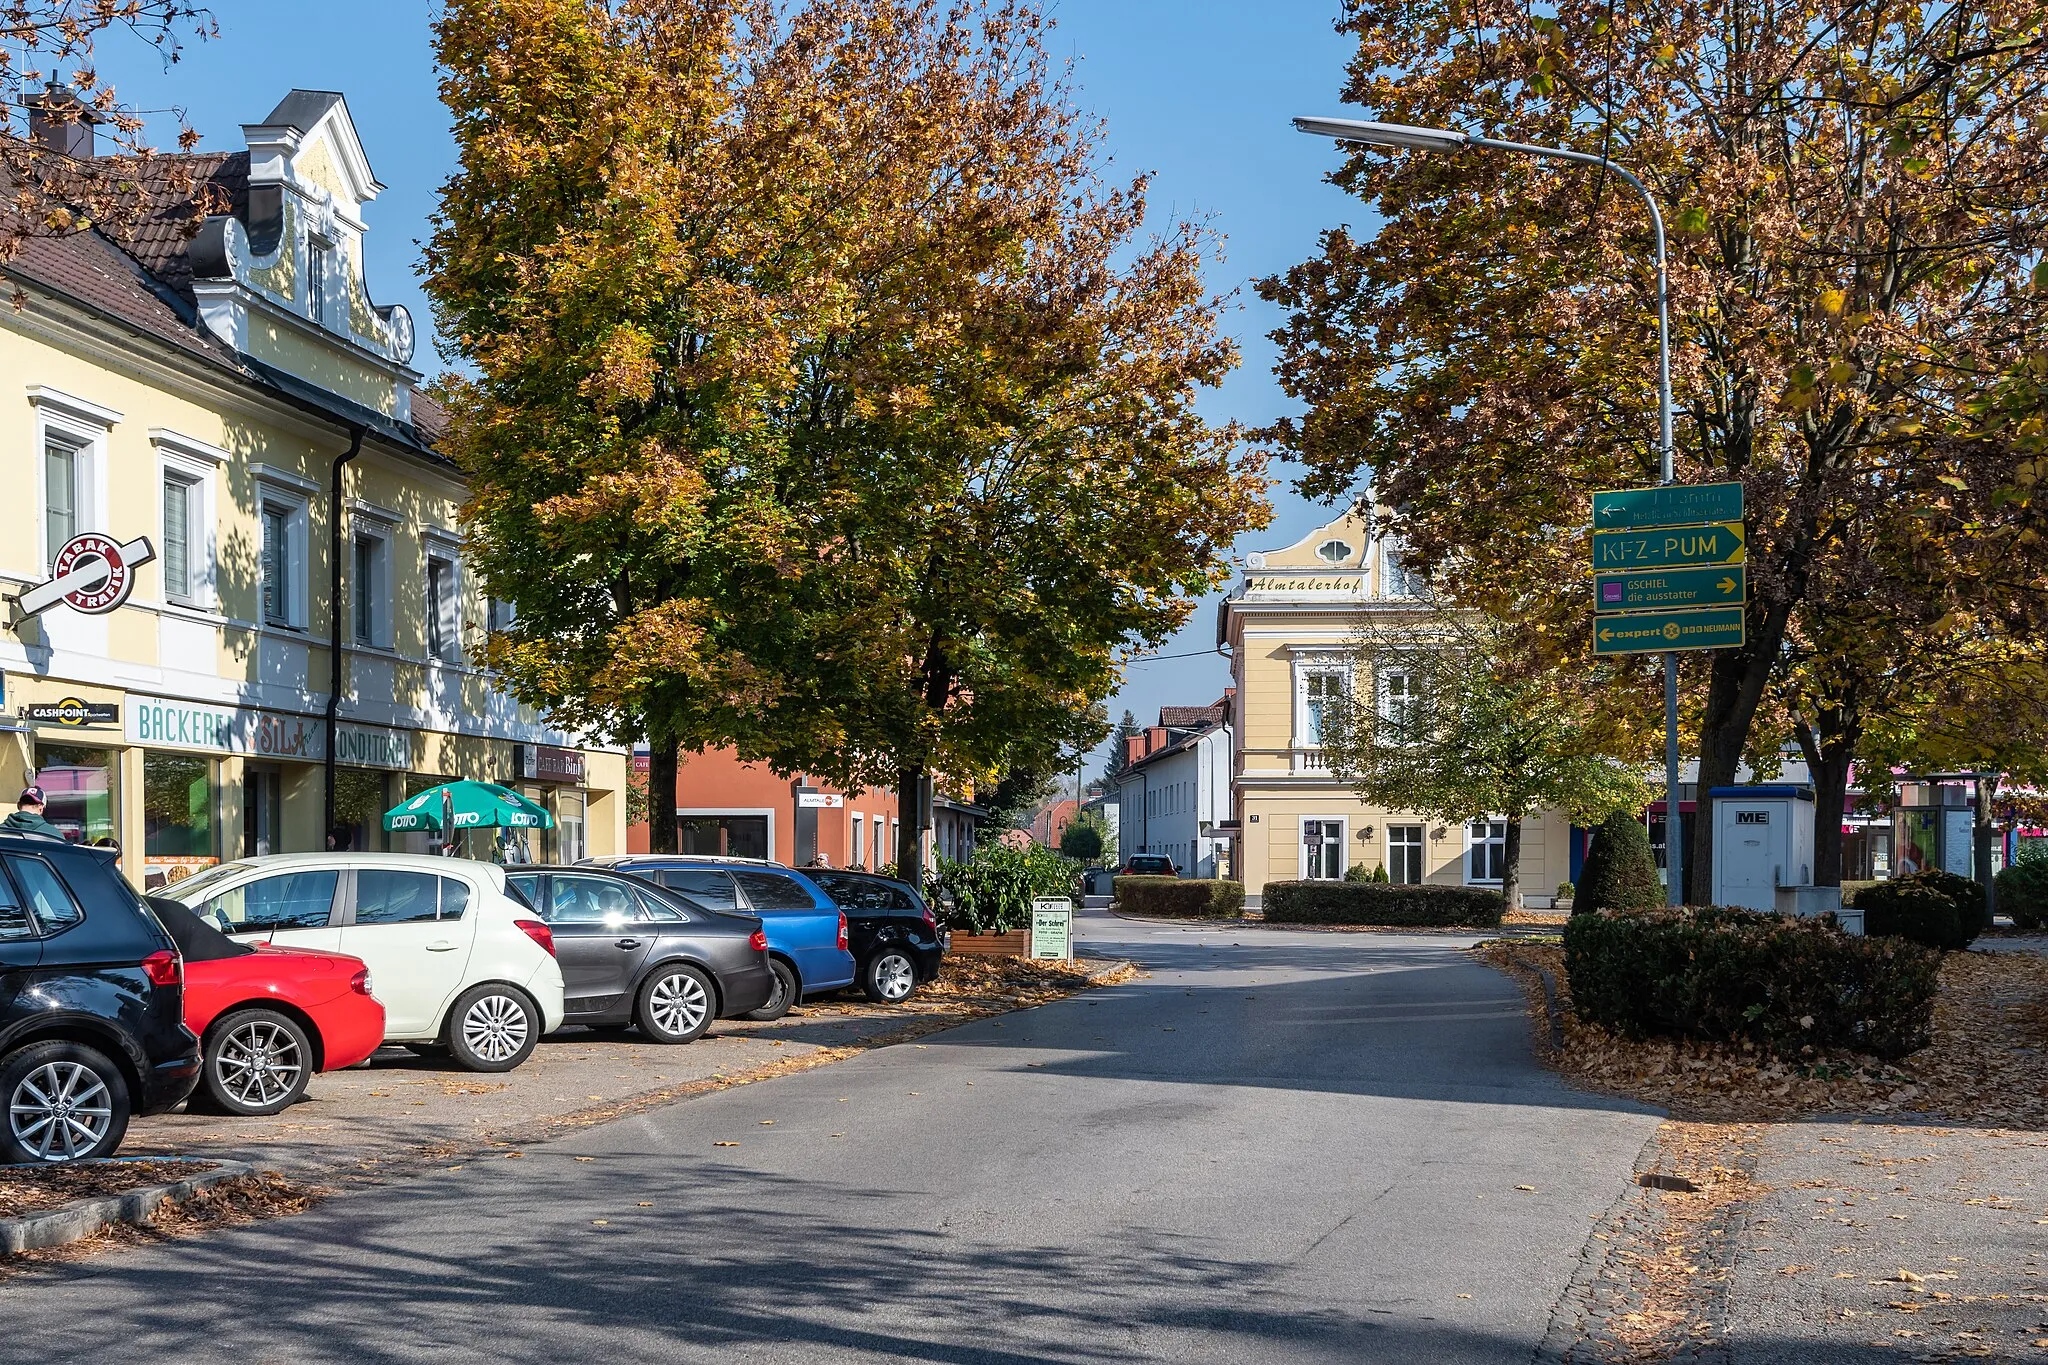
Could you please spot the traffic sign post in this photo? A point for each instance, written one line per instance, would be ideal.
(1669, 576)
(1669, 589)
(1671, 504)
(1663, 632)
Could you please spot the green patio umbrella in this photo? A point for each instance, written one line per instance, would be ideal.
(467, 805)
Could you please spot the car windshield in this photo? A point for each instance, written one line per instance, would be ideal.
(193, 890)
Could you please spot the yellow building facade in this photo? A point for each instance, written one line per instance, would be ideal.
(230, 417)
(1290, 627)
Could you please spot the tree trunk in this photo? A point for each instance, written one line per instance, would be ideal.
(909, 838)
(661, 789)
(1830, 749)
(1511, 864)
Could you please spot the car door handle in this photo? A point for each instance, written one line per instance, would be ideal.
(629, 943)
(442, 945)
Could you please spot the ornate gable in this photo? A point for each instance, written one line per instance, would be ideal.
(281, 279)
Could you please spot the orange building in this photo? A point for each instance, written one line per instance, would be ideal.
(744, 810)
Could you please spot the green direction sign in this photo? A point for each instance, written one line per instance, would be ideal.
(1668, 548)
(1665, 631)
(1668, 589)
(1672, 504)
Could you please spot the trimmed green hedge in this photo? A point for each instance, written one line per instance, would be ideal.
(1933, 907)
(2023, 894)
(1179, 897)
(1384, 903)
(1736, 975)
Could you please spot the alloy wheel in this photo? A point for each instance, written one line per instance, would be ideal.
(495, 1028)
(259, 1064)
(60, 1111)
(895, 977)
(678, 1003)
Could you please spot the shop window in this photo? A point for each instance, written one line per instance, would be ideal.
(1404, 854)
(79, 785)
(361, 796)
(1487, 855)
(731, 836)
(568, 837)
(180, 827)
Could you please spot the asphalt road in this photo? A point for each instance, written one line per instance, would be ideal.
(1279, 1146)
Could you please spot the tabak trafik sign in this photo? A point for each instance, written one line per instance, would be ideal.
(92, 573)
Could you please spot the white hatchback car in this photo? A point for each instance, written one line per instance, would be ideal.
(458, 961)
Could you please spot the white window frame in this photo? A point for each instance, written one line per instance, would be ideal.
(1312, 667)
(362, 528)
(80, 426)
(196, 464)
(298, 562)
(434, 545)
(1302, 823)
(857, 855)
(1389, 550)
(319, 262)
(1471, 843)
(1421, 846)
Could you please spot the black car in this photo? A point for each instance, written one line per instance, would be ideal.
(1149, 865)
(634, 953)
(893, 934)
(92, 1009)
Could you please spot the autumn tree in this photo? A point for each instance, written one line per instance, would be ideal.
(1856, 195)
(818, 377)
(1445, 718)
(50, 184)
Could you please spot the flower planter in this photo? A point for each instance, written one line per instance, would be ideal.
(1013, 944)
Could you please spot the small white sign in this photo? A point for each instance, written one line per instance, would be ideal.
(819, 800)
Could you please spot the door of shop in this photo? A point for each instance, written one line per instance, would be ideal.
(262, 810)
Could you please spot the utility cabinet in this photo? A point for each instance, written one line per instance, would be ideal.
(1763, 839)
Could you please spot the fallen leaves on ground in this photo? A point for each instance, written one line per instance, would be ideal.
(38, 1189)
(236, 1200)
(1987, 1066)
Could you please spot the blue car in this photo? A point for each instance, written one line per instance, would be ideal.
(806, 930)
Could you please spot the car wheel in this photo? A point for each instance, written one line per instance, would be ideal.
(492, 1028)
(889, 977)
(65, 1102)
(676, 1005)
(256, 1062)
(785, 992)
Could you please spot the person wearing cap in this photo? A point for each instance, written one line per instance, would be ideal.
(28, 816)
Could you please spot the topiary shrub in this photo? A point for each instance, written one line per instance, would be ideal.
(1742, 975)
(1381, 903)
(1180, 897)
(1358, 872)
(2023, 894)
(1620, 872)
(1933, 907)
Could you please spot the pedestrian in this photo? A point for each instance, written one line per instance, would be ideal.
(28, 816)
(340, 839)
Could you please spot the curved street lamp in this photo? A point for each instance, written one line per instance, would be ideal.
(1407, 138)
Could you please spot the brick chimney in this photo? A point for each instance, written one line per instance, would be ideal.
(60, 122)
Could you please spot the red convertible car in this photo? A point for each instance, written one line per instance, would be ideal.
(268, 1017)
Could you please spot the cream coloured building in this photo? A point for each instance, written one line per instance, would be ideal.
(1289, 628)
(238, 401)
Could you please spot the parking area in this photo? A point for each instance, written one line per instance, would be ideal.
(404, 1113)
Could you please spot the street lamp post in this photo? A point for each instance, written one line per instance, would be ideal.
(1403, 137)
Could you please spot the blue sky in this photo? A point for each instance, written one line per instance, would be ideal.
(1197, 91)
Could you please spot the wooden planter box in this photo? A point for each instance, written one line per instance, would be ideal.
(1013, 944)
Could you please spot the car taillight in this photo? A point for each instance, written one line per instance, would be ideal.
(931, 921)
(163, 968)
(360, 982)
(842, 931)
(759, 941)
(539, 933)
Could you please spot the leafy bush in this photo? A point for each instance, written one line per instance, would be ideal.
(1933, 907)
(1318, 902)
(1085, 838)
(1741, 975)
(991, 892)
(1620, 872)
(2023, 894)
(1565, 891)
(1180, 897)
(1357, 873)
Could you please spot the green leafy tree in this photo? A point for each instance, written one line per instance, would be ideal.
(1086, 839)
(1445, 719)
(1858, 199)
